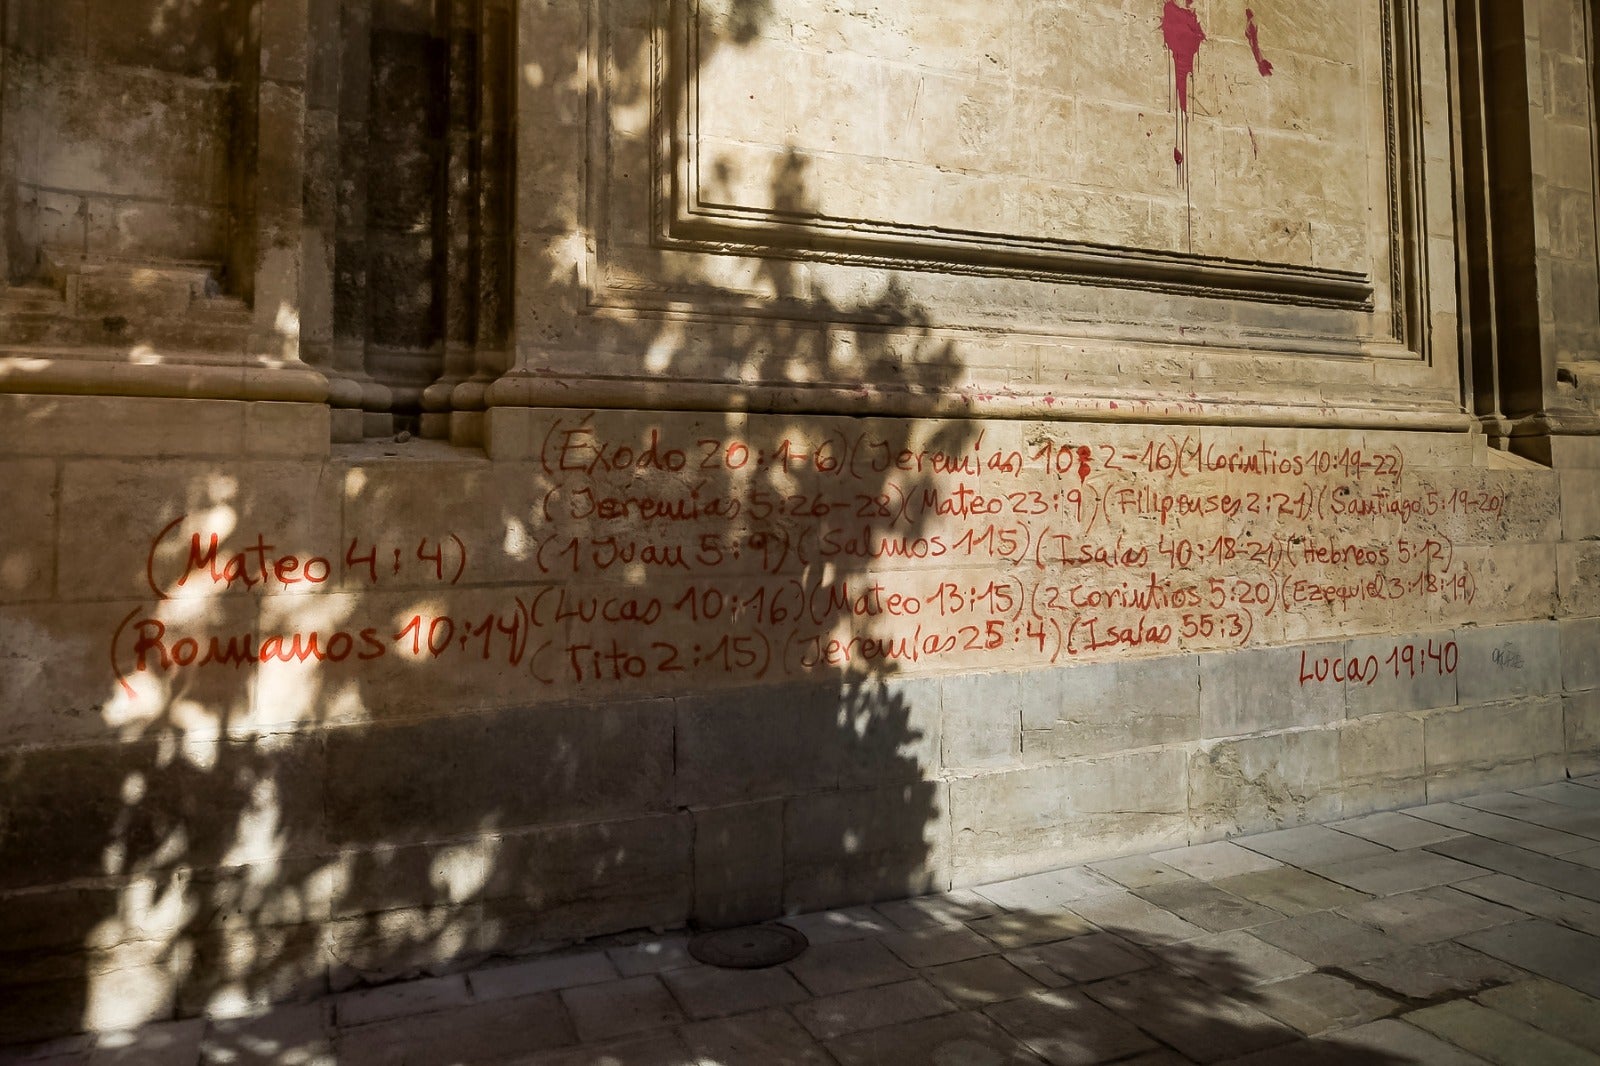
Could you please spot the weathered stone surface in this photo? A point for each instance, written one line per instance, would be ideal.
(1477, 749)
(851, 1012)
(1549, 1006)
(1085, 710)
(1054, 815)
(443, 776)
(738, 863)
(1245, 692)
(753, 1039)
(1317, 1002)
(1383, 760)
(1548, 950)
(1581, 716)
(1494, 1036)
(953, 1038)
(1505, 662)
(1266, 782)
(884, 843)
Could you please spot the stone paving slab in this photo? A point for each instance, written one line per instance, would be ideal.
(1589, 857)
(1231, 960)
(1566, 793)
(762, 1038)
(1456, 933)
(828, 969)
(952, 1038)
(852, 1012)
(1203, 904)
(1312, 846)
(1549, 950)
(1430, 915)
(1211, 861)
(1193, 1019)
(1314, 1003)
(975, 982)
(1432, 971)
(1066, 1028)
(1093, 957)
(707, 992)
(1505, 830)
(1553, 1007)
(1498, 1037)
(1290, 891)
(1407, 871)
(1568, 877)
(1581, 914)
(1398, 831)
(1535, 811)
(619, 1008)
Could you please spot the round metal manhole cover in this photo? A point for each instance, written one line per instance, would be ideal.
(749, 948)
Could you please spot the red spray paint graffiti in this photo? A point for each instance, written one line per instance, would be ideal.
(1253, 35)
(1180, 28)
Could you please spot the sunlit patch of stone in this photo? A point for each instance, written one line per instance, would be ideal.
(463, 870)
(258, 833)
(517, 543)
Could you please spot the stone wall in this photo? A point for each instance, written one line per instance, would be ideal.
(856, 455)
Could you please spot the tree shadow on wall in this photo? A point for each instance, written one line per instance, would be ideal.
(287, 784)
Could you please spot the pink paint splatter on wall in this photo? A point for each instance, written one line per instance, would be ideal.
(1253, 35)
(1181, 30)
(1180, 27)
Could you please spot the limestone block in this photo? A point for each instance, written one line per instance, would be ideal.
(738, 864)
(1580, 653)
(295, 888)
(142, 228)
(1255, 690)
(573, 881)
(891, 729)
(1097, 708)
(982, 723)
(144, 807)
(284, 44)
(1580, 504)
(42, 30)
(383, 878)
(109, 152)
(860, 846)
(1582, 715)
(744, 744)
(286, 430)
(1506, 662)
(418, 505)
(407, 941)
(1021, 821)
(119, 426)
(27, 554)
(1570, 453)
(242, 972)
(292, 510)
(1399, 672)
(76, 672)
(1269, 782)
(450, 776)
(1499, 746)
(1513, 581)
(1383, 763)
(1578, 576)
(183, 40)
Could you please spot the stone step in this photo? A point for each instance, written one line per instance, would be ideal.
(16, 299)
(57, 330)
(112, 286)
